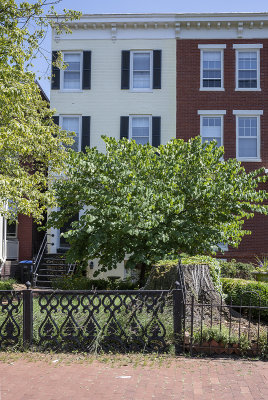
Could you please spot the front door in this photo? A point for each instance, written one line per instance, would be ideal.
(63, 243)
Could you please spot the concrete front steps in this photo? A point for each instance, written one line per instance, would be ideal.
(52, 266)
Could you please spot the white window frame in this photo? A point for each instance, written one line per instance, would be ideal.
(15, 236)
(150, 89)
(249, 113)
(206, 48)
(212, 114)
(140, 116)
(80, 126)
(62, 89)
(254, 47)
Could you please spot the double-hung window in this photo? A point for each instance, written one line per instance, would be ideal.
(12, 230)
(211, 125)
(77, 74)
(247, 66)
(72, 123)
(141, 70)
(248, 134)
(78, 124)
(72, 75)
(140, 128)
(211, 66)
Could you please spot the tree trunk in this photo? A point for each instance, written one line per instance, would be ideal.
(194, 280)
(142, 268)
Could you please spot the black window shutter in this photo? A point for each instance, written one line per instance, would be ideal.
(157, 59)
(125, 69)
(55, 79)
(86, 81)
(85, 133)
(56, 119)
(156, 131)
(124, 127)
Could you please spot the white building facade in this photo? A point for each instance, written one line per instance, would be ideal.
(120, 82)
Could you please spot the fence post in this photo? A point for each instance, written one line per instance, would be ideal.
(178, 314)
(27, 316)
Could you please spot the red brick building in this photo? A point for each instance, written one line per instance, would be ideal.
(222, 94)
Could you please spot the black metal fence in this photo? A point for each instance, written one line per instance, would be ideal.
(217, 327)
(130, 321)
(124, 321)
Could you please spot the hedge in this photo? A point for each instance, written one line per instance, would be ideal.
(233, 269)
(83, 283)
(245, 292)
(7, 285)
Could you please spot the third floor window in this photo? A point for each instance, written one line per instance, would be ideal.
(72, 74)
(211, 66)
(247, 66)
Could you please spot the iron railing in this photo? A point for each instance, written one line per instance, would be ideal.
(217, 327)
(124, 321)
(130, 321)
(39, 256)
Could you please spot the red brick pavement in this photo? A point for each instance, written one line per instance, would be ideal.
(182, 379)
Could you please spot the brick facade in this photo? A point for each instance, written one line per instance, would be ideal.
(190, 99)
(25, 236)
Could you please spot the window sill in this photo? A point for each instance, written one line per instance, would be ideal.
(141, 91)
(249, 160)
(212, 89)
(247, 89)
(71, 91)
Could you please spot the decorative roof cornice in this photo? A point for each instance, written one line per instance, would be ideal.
(178, 22)
(128, 20)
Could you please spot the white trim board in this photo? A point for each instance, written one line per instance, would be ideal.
(247, 112)
(212, 46)
(248, 46)
(211, 112)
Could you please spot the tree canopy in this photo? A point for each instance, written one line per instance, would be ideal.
(30, 142)
(148, 204)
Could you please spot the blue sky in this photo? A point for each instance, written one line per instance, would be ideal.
(142, 6)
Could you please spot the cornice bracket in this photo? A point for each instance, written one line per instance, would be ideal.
(177, 30)
(113, 32)
(240, 28)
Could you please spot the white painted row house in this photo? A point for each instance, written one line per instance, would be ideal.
(120, 82)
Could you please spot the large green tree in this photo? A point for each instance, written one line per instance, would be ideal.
(147, 204)
(30, 142)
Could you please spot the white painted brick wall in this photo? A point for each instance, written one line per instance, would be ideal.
(106, 102)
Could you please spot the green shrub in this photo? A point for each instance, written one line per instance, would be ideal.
(233, 269)
(246, 293)
(7, 285)
(222, 335)
(83, 283)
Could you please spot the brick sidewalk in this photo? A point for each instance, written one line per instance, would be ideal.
(182, 379)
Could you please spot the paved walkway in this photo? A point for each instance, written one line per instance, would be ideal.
(182, 379)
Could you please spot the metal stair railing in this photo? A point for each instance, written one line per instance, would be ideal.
(38, 258)
(71, 269)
